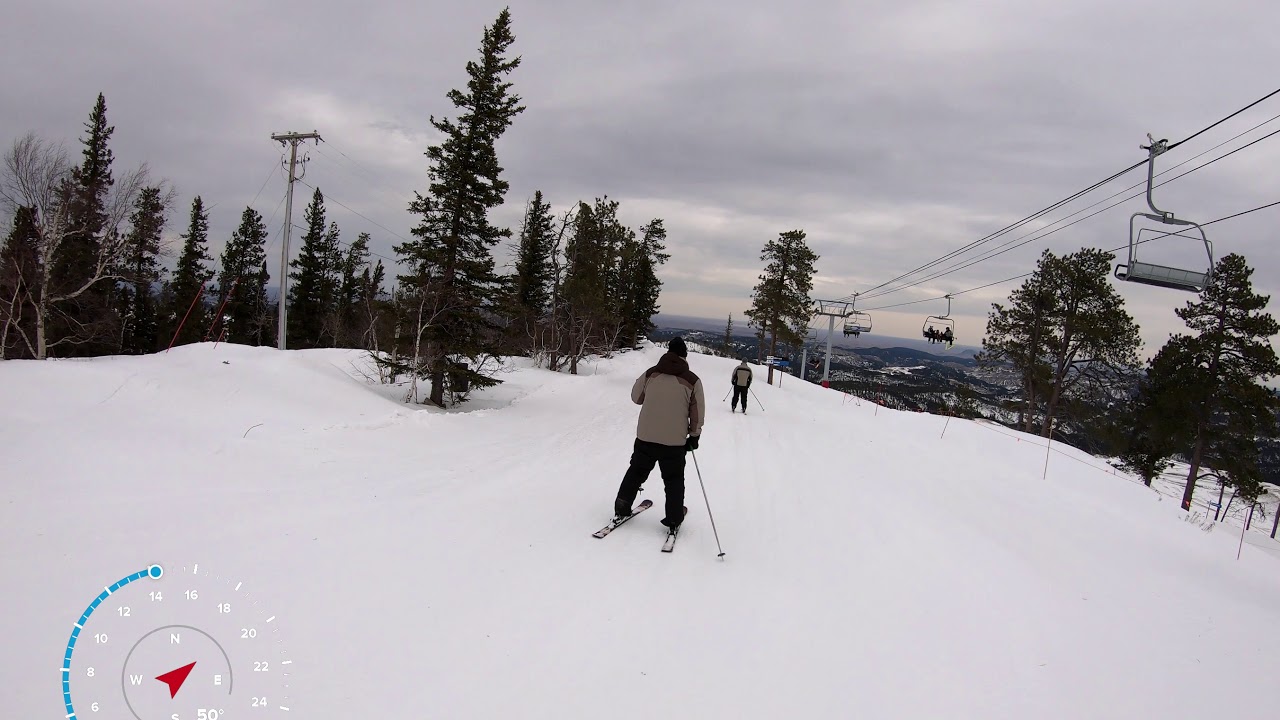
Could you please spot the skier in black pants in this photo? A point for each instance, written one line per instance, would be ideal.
(673, 407)
(741, 380)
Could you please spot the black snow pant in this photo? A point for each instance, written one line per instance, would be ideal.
(739, 392)
(670, 460)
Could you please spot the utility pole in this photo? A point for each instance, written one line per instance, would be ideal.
(832, 309)
(292, 139)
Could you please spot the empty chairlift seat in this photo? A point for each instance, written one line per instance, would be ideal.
(1163, 276)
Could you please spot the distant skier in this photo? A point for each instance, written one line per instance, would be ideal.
(673, 408)
(741, 380)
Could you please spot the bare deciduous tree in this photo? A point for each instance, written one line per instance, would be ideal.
(37, 175)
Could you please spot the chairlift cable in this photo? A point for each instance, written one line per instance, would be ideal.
(1004, 230)
(1029, 218)
(1246, 107)
(1045, 232)
(1099, 202)
(1019, 277)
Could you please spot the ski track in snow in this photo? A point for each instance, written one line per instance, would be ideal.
(440, 563)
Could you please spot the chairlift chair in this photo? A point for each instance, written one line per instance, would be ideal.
(946, 323)
(858, 323)
(1162, 275)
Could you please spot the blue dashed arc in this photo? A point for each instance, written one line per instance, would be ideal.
(154, 572)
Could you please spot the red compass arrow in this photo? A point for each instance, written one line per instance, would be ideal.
(175, 678)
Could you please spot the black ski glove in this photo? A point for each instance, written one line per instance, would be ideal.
(691, 443)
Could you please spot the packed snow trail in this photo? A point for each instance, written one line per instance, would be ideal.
(442, 564)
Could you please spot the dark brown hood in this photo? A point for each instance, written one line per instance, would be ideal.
(672, 364)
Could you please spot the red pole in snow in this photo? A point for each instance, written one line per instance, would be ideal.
(218, 317)
(184, 318)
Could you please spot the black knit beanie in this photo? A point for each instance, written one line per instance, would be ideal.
(677, 346)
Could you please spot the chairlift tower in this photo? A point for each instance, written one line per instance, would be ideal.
(832, 309)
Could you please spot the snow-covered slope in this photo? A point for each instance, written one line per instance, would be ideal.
(439, 564)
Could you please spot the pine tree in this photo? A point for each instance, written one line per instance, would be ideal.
(348, 306)
(141, 330)
(1227, 361)
(1020, 334)
(451, 267)
(639, 280)
(533, 261)
(313, 281)
(85, 324)
(780, 302)
(19, 286)
(726, 345)
(188, 314)
(266, 314)
(597, 291)
(584, 290)
(242, 280)
(373, 308)
(1091, 336)
(1157, 418)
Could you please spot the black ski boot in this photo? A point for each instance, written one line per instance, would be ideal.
(667, 524)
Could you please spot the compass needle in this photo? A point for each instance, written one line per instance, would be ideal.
(175, 678)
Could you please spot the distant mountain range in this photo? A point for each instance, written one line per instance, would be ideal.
(864, 342)
(915, 375)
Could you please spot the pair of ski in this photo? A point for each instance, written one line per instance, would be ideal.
(667, 546)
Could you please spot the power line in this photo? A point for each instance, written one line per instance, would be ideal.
(367, 171)
(365, 176)
(344, 243)
(264, 185)
(354, 212)
(268, 224)
(1052, 207)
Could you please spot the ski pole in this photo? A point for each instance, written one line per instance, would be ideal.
(726, 395)
(708, 502)
(753, 394)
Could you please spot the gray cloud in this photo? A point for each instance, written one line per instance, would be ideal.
(891, 132)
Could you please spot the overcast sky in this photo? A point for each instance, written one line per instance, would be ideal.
(890, 132)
